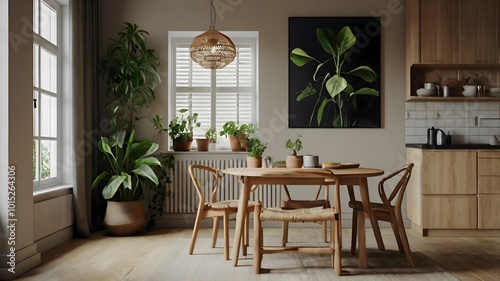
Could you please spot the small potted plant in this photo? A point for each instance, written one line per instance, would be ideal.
(180, 130)
(294, 160)
(238, 134)
(256, 149)
(210, 138)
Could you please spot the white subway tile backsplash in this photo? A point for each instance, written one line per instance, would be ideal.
(471, 122)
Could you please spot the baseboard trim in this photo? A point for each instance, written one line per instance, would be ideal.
(55, 239)
(25, 259)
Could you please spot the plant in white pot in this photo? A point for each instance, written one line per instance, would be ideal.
(294, 160)
(129, 168)
(255, 151)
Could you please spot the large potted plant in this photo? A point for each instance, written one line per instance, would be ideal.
(129, 70)
(255, 151)
(294, 160)
(180, 130)
(129, 168)
(237, 134)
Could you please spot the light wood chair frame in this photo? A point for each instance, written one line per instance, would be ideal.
(288, 204)
(334, 248)
(387, 211)
(216, 210)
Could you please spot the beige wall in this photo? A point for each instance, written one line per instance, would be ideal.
(383, 148)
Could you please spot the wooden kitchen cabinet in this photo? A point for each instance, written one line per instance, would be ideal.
(488, 168)
(478, 38)
(450, 38)
(442, 191)
(439, 31)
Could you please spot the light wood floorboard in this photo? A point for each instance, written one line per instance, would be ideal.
(104, 257)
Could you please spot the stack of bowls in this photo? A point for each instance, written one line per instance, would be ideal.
(429, 90)
(469, 90)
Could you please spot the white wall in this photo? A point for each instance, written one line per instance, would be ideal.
(383, 148)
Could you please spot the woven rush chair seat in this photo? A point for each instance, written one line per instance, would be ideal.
(226, 204)
(297, 215)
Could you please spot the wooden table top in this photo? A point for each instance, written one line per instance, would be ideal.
(303, 173)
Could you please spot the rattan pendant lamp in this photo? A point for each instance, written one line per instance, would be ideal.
(212, 49)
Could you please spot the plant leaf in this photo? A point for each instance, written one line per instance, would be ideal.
(327, 39)
(308, 91)
(117, 138)
(110, 189)
(150, 161)
(366, 91)
(146, 171)
(299, 57)
(100, 177)
(364, 72)
(335, 85)
(321, 108)
(345, 40)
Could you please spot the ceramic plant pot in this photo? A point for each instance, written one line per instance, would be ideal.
(254, 162)
(202, 144)
(294, 161)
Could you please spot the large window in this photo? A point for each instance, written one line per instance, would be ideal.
(46, 91)
(218, 96)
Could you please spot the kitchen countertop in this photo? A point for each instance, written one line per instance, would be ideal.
(453, 146)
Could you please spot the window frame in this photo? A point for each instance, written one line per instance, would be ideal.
(238, 37)
(58, 51)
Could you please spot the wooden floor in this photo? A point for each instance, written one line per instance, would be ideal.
(103, 257)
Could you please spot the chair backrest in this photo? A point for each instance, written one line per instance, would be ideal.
(400, 188)
(201, 176)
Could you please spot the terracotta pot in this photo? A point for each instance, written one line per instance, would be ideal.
(180, 145)
(294, 161)
(234, 142)
(254, 162)
(243, 142)
(202, 144)
(124, 218)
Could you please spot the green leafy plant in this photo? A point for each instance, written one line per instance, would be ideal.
(129, 164)
(329, 84)
(157, 124)
(231, 128)
(295, 146)
(129, 69)
(256, 147)
(181, 128)
(211, 135)
(164, 174)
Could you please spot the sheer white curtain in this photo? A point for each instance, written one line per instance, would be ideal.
(84, 49)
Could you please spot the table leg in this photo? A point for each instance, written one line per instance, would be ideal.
(365, 198)
(240, 219)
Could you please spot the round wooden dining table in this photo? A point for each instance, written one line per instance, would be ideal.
(284, 176)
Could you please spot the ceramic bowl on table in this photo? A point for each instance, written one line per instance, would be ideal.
(469, 94)
(494, 92)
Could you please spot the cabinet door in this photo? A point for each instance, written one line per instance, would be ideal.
(439, 31)
(449, 212)
(449, 172)
(489, 212)
(478, 36)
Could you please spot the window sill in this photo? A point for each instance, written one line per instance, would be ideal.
(47, 193)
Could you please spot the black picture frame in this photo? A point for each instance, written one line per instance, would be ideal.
(365, 52)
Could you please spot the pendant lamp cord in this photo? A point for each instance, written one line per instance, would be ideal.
(213, 16)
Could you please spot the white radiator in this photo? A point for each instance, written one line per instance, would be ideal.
(183, 198)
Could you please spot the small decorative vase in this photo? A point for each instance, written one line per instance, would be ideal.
(124, 218)
(254, 162)
(294, 161)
